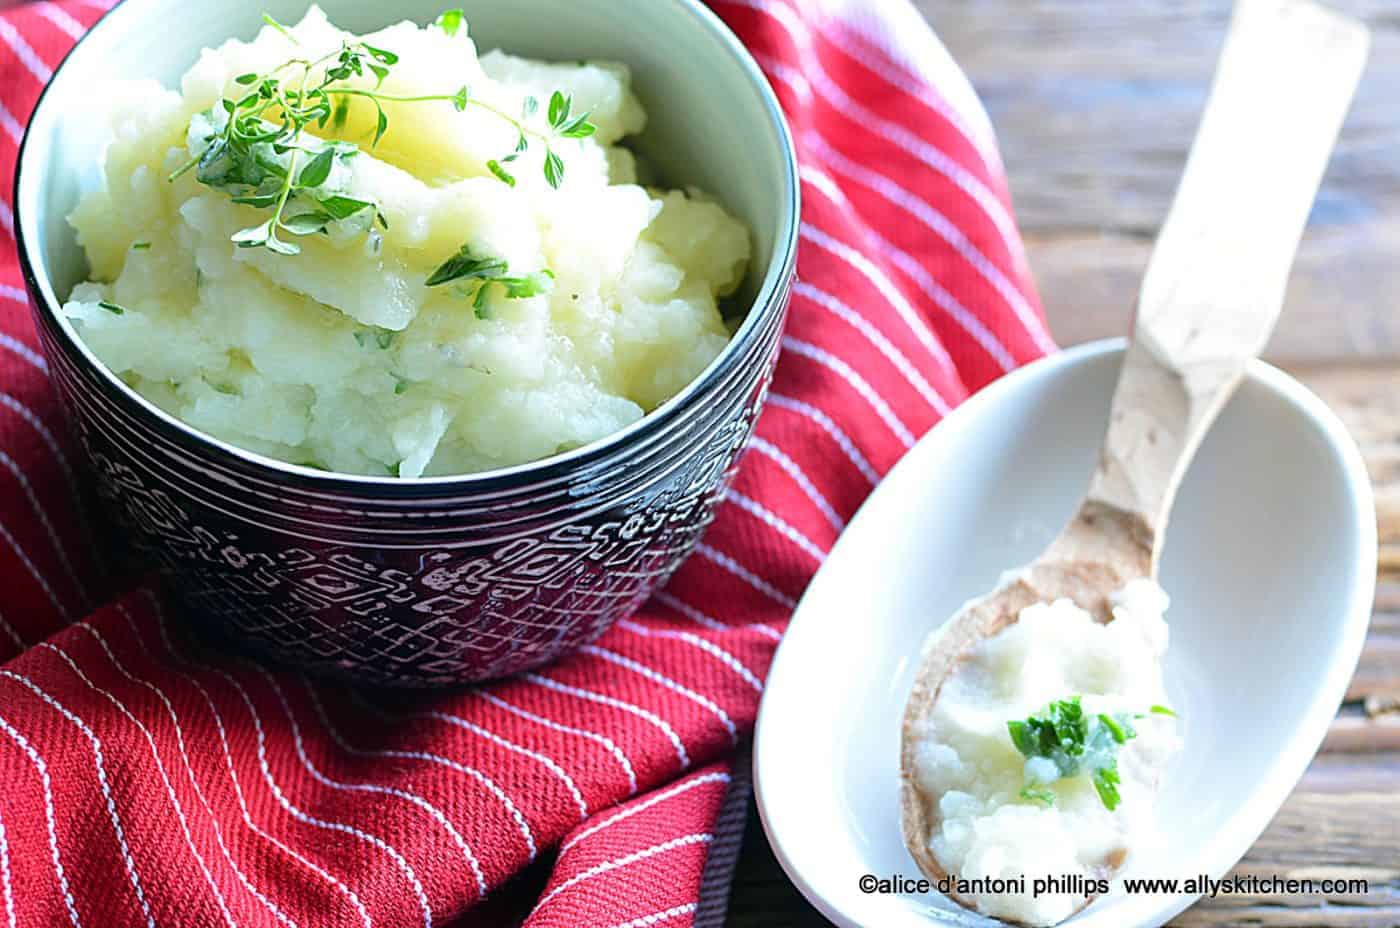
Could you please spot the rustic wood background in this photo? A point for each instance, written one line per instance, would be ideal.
(1095, 103)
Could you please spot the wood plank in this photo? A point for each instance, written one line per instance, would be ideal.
(1367, 398)
(1319, 836)
(1345, 773)
(1096, 104)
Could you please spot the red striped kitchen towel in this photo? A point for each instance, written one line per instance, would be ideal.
(144, 781)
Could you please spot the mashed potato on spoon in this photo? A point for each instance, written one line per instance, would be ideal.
(1043, 752)
(581, 300)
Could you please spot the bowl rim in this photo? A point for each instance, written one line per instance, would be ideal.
(1224, 848)
(769, 300)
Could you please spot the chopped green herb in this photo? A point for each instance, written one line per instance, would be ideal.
(1076, 743)
(515, 288)
(112, 308)
(1106, 782)
(479, 306)
(380, 338)
(450, 21)
(1037, 794)
(400, 385)
(140, 246)
(533, 284)
(1120, 729)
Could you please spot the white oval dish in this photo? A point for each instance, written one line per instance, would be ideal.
(1270, 562)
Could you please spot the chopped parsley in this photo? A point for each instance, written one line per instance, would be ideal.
(112, 308)
(380, 338)
(1038, 794)
(450, 21)
(1075, 743)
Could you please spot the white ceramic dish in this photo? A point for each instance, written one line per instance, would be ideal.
(1270, 562)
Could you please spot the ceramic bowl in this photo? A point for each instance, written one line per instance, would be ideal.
(441, 580)
(1270, 562)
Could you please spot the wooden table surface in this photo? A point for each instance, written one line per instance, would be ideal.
(1095, 103)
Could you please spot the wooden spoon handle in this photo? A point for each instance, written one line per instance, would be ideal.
(1215, 283)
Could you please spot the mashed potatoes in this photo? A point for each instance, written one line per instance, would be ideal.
(1005, 815)
(341, 356)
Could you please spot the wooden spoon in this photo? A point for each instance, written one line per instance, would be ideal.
(1212, 292)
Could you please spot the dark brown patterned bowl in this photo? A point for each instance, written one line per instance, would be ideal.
(440, 580)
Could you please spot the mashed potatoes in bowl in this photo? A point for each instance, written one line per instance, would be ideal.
(265, 316)
(440, 263)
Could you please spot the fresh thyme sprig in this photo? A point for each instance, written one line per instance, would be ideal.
(466, 267)
(563, 124)
(255, 153)
(256, 150)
